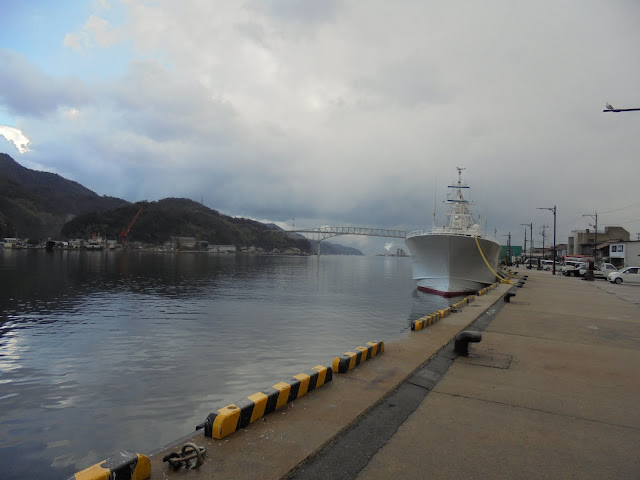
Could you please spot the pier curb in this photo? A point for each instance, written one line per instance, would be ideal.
(240, 414)
(286, 440)
(125, 464)
(350, 360)
(432, 318)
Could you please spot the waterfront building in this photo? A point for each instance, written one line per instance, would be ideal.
(624, 254)
(583, 242)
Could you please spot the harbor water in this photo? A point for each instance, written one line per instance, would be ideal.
(105, 351)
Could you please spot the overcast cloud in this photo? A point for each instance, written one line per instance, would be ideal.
(334, 112)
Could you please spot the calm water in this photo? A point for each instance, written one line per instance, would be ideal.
(104, 351)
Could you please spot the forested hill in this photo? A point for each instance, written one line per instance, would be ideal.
(39, 205)
(180, 217)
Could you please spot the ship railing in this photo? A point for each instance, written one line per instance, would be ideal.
(416, 233)
(445, 231)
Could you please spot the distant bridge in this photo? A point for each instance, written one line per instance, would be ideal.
(322, 233)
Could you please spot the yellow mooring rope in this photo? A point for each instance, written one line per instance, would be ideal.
(502, 279)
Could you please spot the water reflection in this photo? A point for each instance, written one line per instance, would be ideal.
(104, 351)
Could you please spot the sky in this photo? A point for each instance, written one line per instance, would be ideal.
(334, 113)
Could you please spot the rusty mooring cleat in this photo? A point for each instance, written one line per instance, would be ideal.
(461, 345)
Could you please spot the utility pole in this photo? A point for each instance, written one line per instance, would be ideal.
(508, 248)
(544, 256)
(530, 225)
(531, 247)
(554, 235)
(595, 238)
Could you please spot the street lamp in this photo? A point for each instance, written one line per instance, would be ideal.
(617, 110)
(508, 248)
(554, 235)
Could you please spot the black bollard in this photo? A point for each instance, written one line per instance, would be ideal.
(507, 297)
(461, 345)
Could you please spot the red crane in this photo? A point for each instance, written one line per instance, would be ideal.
(124, 233)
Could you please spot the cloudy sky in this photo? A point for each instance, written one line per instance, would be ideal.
(334, 112)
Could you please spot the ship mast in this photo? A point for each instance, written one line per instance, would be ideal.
(460, 217)
(435, 200)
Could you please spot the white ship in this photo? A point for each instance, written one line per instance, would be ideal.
(454, 260)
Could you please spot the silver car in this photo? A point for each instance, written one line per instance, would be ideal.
(629, 275)
(604, 270)
(570, 268)
(601, 271)
(548, 264)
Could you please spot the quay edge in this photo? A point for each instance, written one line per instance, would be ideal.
(549, 392)
(275, 445)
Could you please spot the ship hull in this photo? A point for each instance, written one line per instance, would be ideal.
(451, 265)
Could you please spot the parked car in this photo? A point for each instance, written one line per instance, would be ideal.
(548, 264)
(572, 268)
(604, 270)
(629, 275)
(599, 272)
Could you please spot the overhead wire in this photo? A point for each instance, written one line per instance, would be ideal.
(621, 208)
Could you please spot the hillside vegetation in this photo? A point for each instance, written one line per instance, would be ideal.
(180, 217)
(40, 205)
(37, 204)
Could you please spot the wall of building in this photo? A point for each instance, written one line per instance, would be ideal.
(625, 254)
(581, 242)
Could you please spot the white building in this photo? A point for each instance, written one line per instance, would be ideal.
(625, 254)
(11, 242)
(222, 248)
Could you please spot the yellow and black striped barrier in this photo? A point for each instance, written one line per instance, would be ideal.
(488, 287)
(432, 318)
(460, 304)
(123, 465)
(425, 321)
(240, 414)
(351, 360)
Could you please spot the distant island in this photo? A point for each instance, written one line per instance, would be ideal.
(39, 206)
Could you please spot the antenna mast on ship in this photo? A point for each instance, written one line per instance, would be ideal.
(435, 201)
(460, 216)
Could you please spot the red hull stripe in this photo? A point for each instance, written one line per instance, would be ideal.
(445, 294)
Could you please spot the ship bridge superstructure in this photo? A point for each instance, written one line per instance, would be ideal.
(461, 221)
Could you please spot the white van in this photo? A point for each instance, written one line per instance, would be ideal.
(548, 264)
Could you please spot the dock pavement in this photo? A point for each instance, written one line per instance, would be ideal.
(551, 391)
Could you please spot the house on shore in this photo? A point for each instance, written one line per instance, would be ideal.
(585, 242)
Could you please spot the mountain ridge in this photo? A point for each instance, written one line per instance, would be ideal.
(43, 205)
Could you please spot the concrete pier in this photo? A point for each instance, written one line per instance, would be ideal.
(551, 391)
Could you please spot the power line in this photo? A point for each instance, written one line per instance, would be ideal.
(621, 208)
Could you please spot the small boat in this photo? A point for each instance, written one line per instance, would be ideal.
(453, 260)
